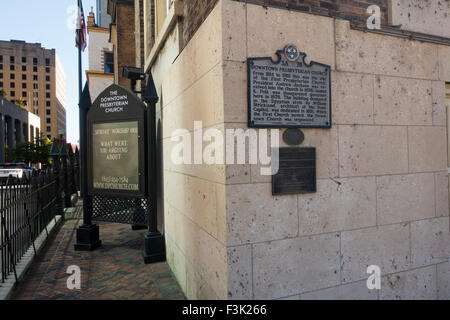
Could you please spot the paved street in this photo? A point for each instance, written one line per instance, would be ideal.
(116, 271)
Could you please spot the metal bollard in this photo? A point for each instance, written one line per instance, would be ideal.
(72, 187)
(54, 153)
(66, 189)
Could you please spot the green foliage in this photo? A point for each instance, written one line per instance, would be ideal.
(2, 93)
(33, 152)
(20, 102)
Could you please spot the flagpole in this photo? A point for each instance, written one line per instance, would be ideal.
(83, 140)
(87, 234)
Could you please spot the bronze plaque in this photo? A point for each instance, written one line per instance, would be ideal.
(115, 148)
(297, 172)
(288, 92)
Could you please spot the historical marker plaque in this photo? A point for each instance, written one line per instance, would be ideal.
(116, 131)
(288, 92)
(297, 172)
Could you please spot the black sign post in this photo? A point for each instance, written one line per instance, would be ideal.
(154, 249)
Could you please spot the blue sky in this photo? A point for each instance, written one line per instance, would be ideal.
(46, 22)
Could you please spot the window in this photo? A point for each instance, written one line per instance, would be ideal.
(1, 58)
(12, 85)
(48, 112)
(1, 84)
(24, 68)
(36, 94)
(48, 120)
(24, 59)
(47, 103)
(35, 103)
(24, 85)
(109, 62)
(1, 66)
(35, 77)
(34, 69)
(12, 93)
(11, 59)
(35, 86)
(47, 78)
(12, 76)
(47, 95)
(1, 75)
(24, 94)
(47, 87)
(12, 67)
(24, 77)
(35, 61)
(47, 62)
(47, 70)
(49, 129)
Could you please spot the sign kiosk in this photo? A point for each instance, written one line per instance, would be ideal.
(117, 136)
(121, 170)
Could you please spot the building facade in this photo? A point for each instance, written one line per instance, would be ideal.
(16, 125)
(101, 55)
(122, 37)
(34, 75)
(103, 18)
(382, 179)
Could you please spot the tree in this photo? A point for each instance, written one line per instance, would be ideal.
(2, 93)
(33, 152)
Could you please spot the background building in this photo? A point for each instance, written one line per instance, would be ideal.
(382, 196)
(101, 57)
(103, 18)
(16, 125)
(34, 74)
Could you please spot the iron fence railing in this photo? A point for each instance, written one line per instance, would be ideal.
(28, 205)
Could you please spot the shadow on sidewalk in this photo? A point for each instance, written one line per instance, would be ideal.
(115, 271)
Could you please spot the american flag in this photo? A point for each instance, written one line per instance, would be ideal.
(81, 25)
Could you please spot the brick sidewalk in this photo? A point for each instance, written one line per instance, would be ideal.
(115, 271)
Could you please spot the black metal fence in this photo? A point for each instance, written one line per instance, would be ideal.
(28, 204)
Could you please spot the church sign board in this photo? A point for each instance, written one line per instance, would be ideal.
(116, 153)
(288, 92)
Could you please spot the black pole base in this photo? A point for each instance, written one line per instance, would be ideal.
(154, 248)
(136, 227)
(68, 202)
(88, 238)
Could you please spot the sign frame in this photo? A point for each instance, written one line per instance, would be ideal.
(290, 54)
(136, 112)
